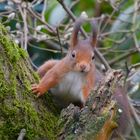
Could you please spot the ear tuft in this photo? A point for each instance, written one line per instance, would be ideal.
(76, 28)
(94, 33)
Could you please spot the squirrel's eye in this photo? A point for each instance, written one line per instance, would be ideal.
(73, 54)
(93, 57)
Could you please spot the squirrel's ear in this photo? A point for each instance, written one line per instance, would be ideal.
(94, 33)
(76, 28)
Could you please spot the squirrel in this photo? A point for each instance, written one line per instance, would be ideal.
(72, 78)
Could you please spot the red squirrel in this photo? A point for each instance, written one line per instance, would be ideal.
(72, 78)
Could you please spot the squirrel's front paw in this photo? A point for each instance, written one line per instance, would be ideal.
(36, 89)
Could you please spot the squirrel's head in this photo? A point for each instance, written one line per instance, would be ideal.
(82, 51)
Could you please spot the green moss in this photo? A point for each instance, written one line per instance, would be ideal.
(13, 52)
(18, 106)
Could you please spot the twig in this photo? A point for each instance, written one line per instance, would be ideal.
(112, 14)
(136, 117)
(137, 111)
(48, 27)
(61, 49)
(103, 28)
(124, 21)
(72, 16)
(136, 42)
(6, 12)
(33, 65)
(36, 2)
(121, 57)
(129, 138)
(46, 49)
(100, 56)
(112, 32)
(133, 129)
(44, 10)
(116, 41)
(134, 24)
(135, 66)
(74, 3)
(134, 103)
(112, 50)
(24, 16)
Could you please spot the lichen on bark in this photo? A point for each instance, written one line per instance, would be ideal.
(19, 108)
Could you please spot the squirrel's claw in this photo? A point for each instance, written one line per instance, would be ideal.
(38, 94)
(34, 88)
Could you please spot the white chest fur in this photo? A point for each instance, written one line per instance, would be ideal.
(70, 87)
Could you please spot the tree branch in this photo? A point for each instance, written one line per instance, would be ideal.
(121, 57)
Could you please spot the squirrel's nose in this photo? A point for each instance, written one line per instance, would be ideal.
(83, 67)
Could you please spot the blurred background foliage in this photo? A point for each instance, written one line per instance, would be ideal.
(43, 29)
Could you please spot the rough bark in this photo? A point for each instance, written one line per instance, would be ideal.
(102, 114)
(19, 108)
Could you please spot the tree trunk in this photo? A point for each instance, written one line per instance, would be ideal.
(19, 108)
(38, 117)
(106, 109)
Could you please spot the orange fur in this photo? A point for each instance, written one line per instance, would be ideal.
(45, 67)
(51, 78)
(78, 61)
(90, 83)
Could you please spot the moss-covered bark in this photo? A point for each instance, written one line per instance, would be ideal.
(19, 108)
